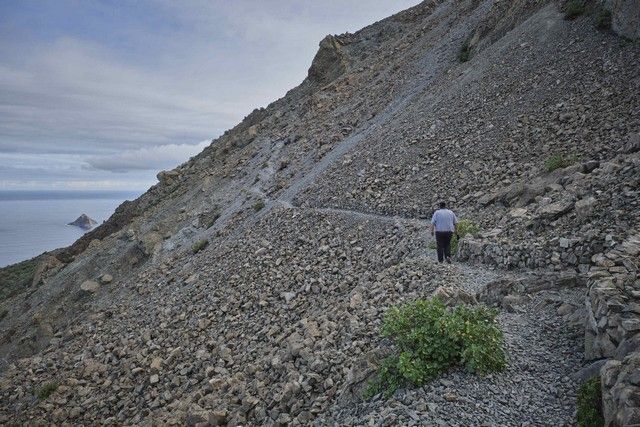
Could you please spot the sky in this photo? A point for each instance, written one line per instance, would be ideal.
(104, 94)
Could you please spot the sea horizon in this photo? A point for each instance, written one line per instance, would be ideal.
(67, 194)
(36, 221)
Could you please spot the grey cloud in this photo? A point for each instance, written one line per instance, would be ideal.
(74, 95)
(148, 158)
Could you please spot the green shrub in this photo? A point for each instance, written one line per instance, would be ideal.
(558, 161)
(603, 19)
(431, 338)
(209, 221)
(16, 278)
(465, 52)
(573, 9)
(47, 390)
(257, 206)
(464, 227)
(199, 245)
(590, 404)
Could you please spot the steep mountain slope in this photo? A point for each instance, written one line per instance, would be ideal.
(312, 209)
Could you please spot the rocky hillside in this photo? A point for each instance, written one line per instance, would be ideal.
(248, 285)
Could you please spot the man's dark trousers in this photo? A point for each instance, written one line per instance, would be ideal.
(443, 240)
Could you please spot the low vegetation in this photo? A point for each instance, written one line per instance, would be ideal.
(199, 245)
(430, 339)
(3, 313)
(559, 161)
(465, 227)
(590, 404)
(258, 206)
(603, 19)
(573, 9)
(46, 390)
(211, 219)
(15, 278)
(465, 52)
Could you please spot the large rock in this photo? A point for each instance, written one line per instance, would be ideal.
(452, 296)
(330, 62)
(168, 177)
(584, 207)
(84, 222)
(90, 286)
(555, 210)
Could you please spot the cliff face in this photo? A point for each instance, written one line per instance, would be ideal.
(313, 211)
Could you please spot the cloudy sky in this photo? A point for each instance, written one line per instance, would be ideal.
(104, 94)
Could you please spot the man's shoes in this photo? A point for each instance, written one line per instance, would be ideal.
(448, 260)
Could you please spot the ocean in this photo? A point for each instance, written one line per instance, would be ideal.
(32, 222)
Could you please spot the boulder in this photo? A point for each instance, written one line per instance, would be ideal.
(451, 296)
(168, 177)
(555, 210)
(106, 279)
(330, 62)
(90, 286)
(150, 243)
(584, 207)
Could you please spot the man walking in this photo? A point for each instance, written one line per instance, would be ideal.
(443, 225)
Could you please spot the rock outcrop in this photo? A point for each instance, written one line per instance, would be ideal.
(84, 222)
(331, 61)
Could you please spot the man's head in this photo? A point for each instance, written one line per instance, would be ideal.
(442, 205)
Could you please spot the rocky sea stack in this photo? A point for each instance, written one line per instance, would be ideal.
(249, 285)
(84, 222)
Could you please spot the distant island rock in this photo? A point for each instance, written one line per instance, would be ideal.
(84, 222)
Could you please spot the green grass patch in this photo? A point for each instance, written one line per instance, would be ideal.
(590, 404)
(258, 206)
(574, 9)
(430, 338)
(47, 389)
(559, 161)
(15, 278)
(199, 245)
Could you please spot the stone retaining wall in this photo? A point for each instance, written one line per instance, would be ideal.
(613, 329)
(556, 254)
(612, 324)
